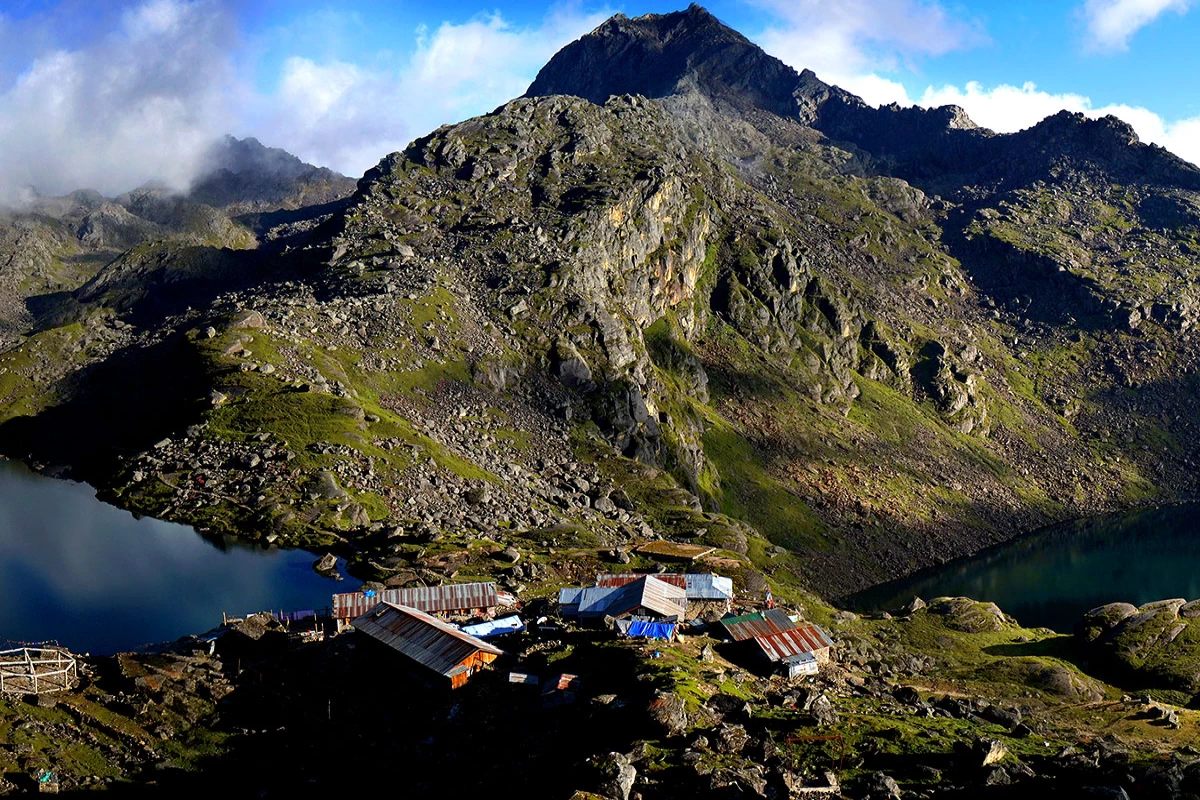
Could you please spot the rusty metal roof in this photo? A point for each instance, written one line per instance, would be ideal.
(784, 644)
(760, 623)
(565, 682)
(624, 579)
(430, 599)
(427, 640)
(699, 585)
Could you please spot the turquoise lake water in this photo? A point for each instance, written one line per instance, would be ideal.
(1051, 577)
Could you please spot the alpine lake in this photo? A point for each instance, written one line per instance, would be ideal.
(95, 579)
(1051, 577)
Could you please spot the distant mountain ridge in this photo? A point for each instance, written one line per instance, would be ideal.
(52, 244)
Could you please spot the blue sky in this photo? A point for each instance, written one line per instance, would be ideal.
(111, 94)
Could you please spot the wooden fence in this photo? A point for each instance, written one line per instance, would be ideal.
(37, 670)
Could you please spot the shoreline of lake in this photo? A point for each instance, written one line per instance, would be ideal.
(1052, 576)
(98, 579)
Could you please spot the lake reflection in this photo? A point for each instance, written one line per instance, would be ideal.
(97, 580)
(1052, 577)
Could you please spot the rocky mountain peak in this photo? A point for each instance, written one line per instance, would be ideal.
(692, 52)
(250, 155)
(248, 175)
(659, 55)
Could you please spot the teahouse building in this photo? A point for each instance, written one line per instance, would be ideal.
(437, 647)
(647, 596)
(451, 599)
(706, 593)
(799, 651)
(794, 648)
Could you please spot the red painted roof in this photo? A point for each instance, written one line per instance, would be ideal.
(803, 639)
(762, 623)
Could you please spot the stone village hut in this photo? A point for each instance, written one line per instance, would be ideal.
(435, 648)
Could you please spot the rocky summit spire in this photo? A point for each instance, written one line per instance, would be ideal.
(658, 55)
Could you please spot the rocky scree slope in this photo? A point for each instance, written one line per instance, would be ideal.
(581, 322)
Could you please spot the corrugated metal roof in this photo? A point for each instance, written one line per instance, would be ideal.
(570, 595)
(430, 599)
(496, 627)
(699, 585)
(760, 623)
(427, 640)
(523, 678)
(595, 600)
(624, 579)
(653, 595)
(647, 592)
(804, 639)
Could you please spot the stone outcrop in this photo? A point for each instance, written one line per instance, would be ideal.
(1155, 641)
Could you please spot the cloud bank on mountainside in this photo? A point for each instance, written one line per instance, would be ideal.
(146, 100)
(142, 103)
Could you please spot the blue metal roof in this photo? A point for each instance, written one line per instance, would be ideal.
(570, 595)
(595, 600)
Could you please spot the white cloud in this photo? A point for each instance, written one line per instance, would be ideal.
(348, 116)
(143, 99)
(142, 103)
(849, 42)
(1111, 23)
(1008, 108)
(875, 89)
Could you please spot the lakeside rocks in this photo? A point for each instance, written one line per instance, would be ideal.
(969, 616)
(1156, 641)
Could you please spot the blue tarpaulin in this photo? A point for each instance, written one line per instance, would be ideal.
(651, 630)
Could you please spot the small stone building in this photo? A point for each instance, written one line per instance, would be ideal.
(799, 651)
